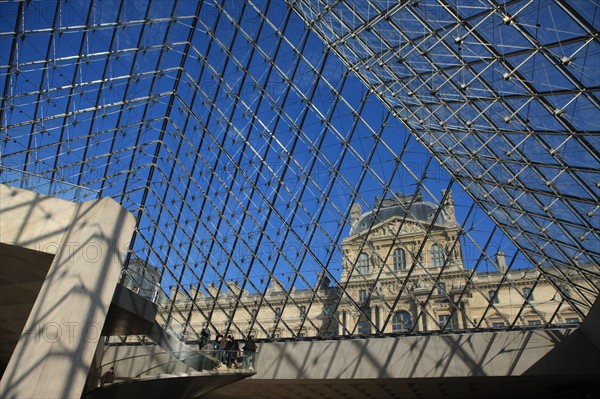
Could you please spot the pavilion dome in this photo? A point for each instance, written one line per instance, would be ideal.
(411, 207)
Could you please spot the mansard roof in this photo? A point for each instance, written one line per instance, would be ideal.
(411, 207)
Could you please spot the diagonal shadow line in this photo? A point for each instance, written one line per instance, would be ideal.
(56, 273)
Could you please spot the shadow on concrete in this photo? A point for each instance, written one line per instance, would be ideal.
(166, 386)
(86, 243)
(557, 363)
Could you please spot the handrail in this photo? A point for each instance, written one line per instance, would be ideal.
(140, 278)
(186, 361)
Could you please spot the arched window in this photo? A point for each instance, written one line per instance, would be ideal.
(437, 256)
(399, 259)
(363, 263)
(402, 321)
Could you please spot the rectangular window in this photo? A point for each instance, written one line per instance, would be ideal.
(362, 296)
(302, 312)
(528, 293)
(498, 325)
(277, 314)
(364, 327)
(441, 288)
(399, 259)
(534, 322)
(572, 320)
(363, 263)
(493, 297)
(445, 321)
(437, 256)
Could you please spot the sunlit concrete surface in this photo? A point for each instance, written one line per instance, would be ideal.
(89, 242)
(471, 365)
(34, 221)
(452, 355)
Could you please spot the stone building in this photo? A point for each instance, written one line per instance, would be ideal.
(394, 255)
(403, 272)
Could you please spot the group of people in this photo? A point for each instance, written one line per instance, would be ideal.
(228, 350)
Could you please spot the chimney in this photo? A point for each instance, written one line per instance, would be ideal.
(448, 205)
(276, 285)
(234, 287)
(501, 260)
(193, 291)
(323, 281)
(213, 290)
(355, 213)
(418, 195)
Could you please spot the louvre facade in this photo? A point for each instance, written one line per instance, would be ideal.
(385, 290)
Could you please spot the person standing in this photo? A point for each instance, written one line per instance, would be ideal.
(229, 356)
(223, 343)
(204, 337)
(235, 353)
(217, 344)
(249, 353)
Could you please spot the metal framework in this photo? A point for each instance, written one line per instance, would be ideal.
(240, 133)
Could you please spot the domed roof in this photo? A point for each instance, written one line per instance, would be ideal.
(400, 206)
